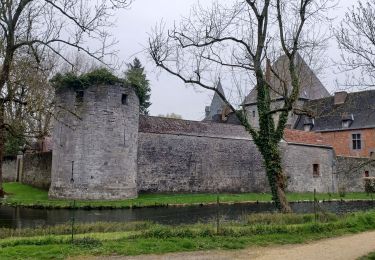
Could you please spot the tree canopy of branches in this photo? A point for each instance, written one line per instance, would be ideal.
(238, 37)
(135, 76)
(32, 28)
(356, 39)
(171, 115)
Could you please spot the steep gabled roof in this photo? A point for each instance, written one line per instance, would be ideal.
(359, 108)
(217, 104)
(311, 87)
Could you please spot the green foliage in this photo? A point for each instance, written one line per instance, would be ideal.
(71, 80)
(288, 219)
(370, 185)
(157, 239)
(135, 76)
(79, 228)
(13, 144)
(87, 242)
(342, 191)
(370, 256)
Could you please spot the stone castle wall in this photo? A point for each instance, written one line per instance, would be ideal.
(298, 161)
(187, 156)
(95, 147)
(37, 170)
(9, 169)
(185, 163)
(350, 172)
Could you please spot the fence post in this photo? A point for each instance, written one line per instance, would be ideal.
(73, 219)
(315, 216)
(217, 214)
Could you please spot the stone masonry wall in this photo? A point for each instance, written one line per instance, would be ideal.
(95, 150)
(351, 170)
(9, 169)
(187, 156)
(298, 161)
(185, 163)
(37, 170)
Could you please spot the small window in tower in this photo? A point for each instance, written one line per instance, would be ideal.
(124, 99)
(367, 174)
(316, 170)
(254, 113)
(79, 96)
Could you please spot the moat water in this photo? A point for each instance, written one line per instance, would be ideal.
(18, 217)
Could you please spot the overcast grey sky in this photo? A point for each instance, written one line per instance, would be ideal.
(168, 93)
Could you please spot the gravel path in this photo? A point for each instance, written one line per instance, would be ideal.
(340, 248)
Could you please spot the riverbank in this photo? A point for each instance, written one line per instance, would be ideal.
(148, 238)
(27, 196)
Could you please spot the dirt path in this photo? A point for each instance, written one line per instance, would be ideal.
(341, 248)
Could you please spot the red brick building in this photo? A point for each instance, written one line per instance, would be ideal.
(345, 120)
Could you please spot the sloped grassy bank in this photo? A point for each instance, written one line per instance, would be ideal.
(145, 238)
(26, 196)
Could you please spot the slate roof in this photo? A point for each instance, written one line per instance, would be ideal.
(217, 103)
(161, 125)
(329, 117)
(311, 87)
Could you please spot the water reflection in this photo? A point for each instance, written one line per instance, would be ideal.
(16, 217)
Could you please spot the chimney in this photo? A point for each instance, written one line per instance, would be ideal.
(268, 70)
(340, 97)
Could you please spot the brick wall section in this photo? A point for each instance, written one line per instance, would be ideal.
(351, 170)
(342, 142)
(37, 170)
(303, 137)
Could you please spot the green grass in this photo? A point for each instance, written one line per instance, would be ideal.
(150, 238)
(370, 256)
(23, 195)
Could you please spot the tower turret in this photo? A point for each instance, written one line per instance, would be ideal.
(95, 143)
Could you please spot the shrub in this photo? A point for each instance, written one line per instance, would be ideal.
(71, 80)
(369, 185)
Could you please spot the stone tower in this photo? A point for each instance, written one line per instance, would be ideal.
(95, 143)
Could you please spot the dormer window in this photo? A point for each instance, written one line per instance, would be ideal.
(347, 120)
(308, 124)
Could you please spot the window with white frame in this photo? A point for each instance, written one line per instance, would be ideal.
(356, 142)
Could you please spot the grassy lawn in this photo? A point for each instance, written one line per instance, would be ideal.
(146, 238)
(24, 195)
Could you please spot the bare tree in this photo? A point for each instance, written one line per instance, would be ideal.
(356, 40)
(238, 37)
(30, 27)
